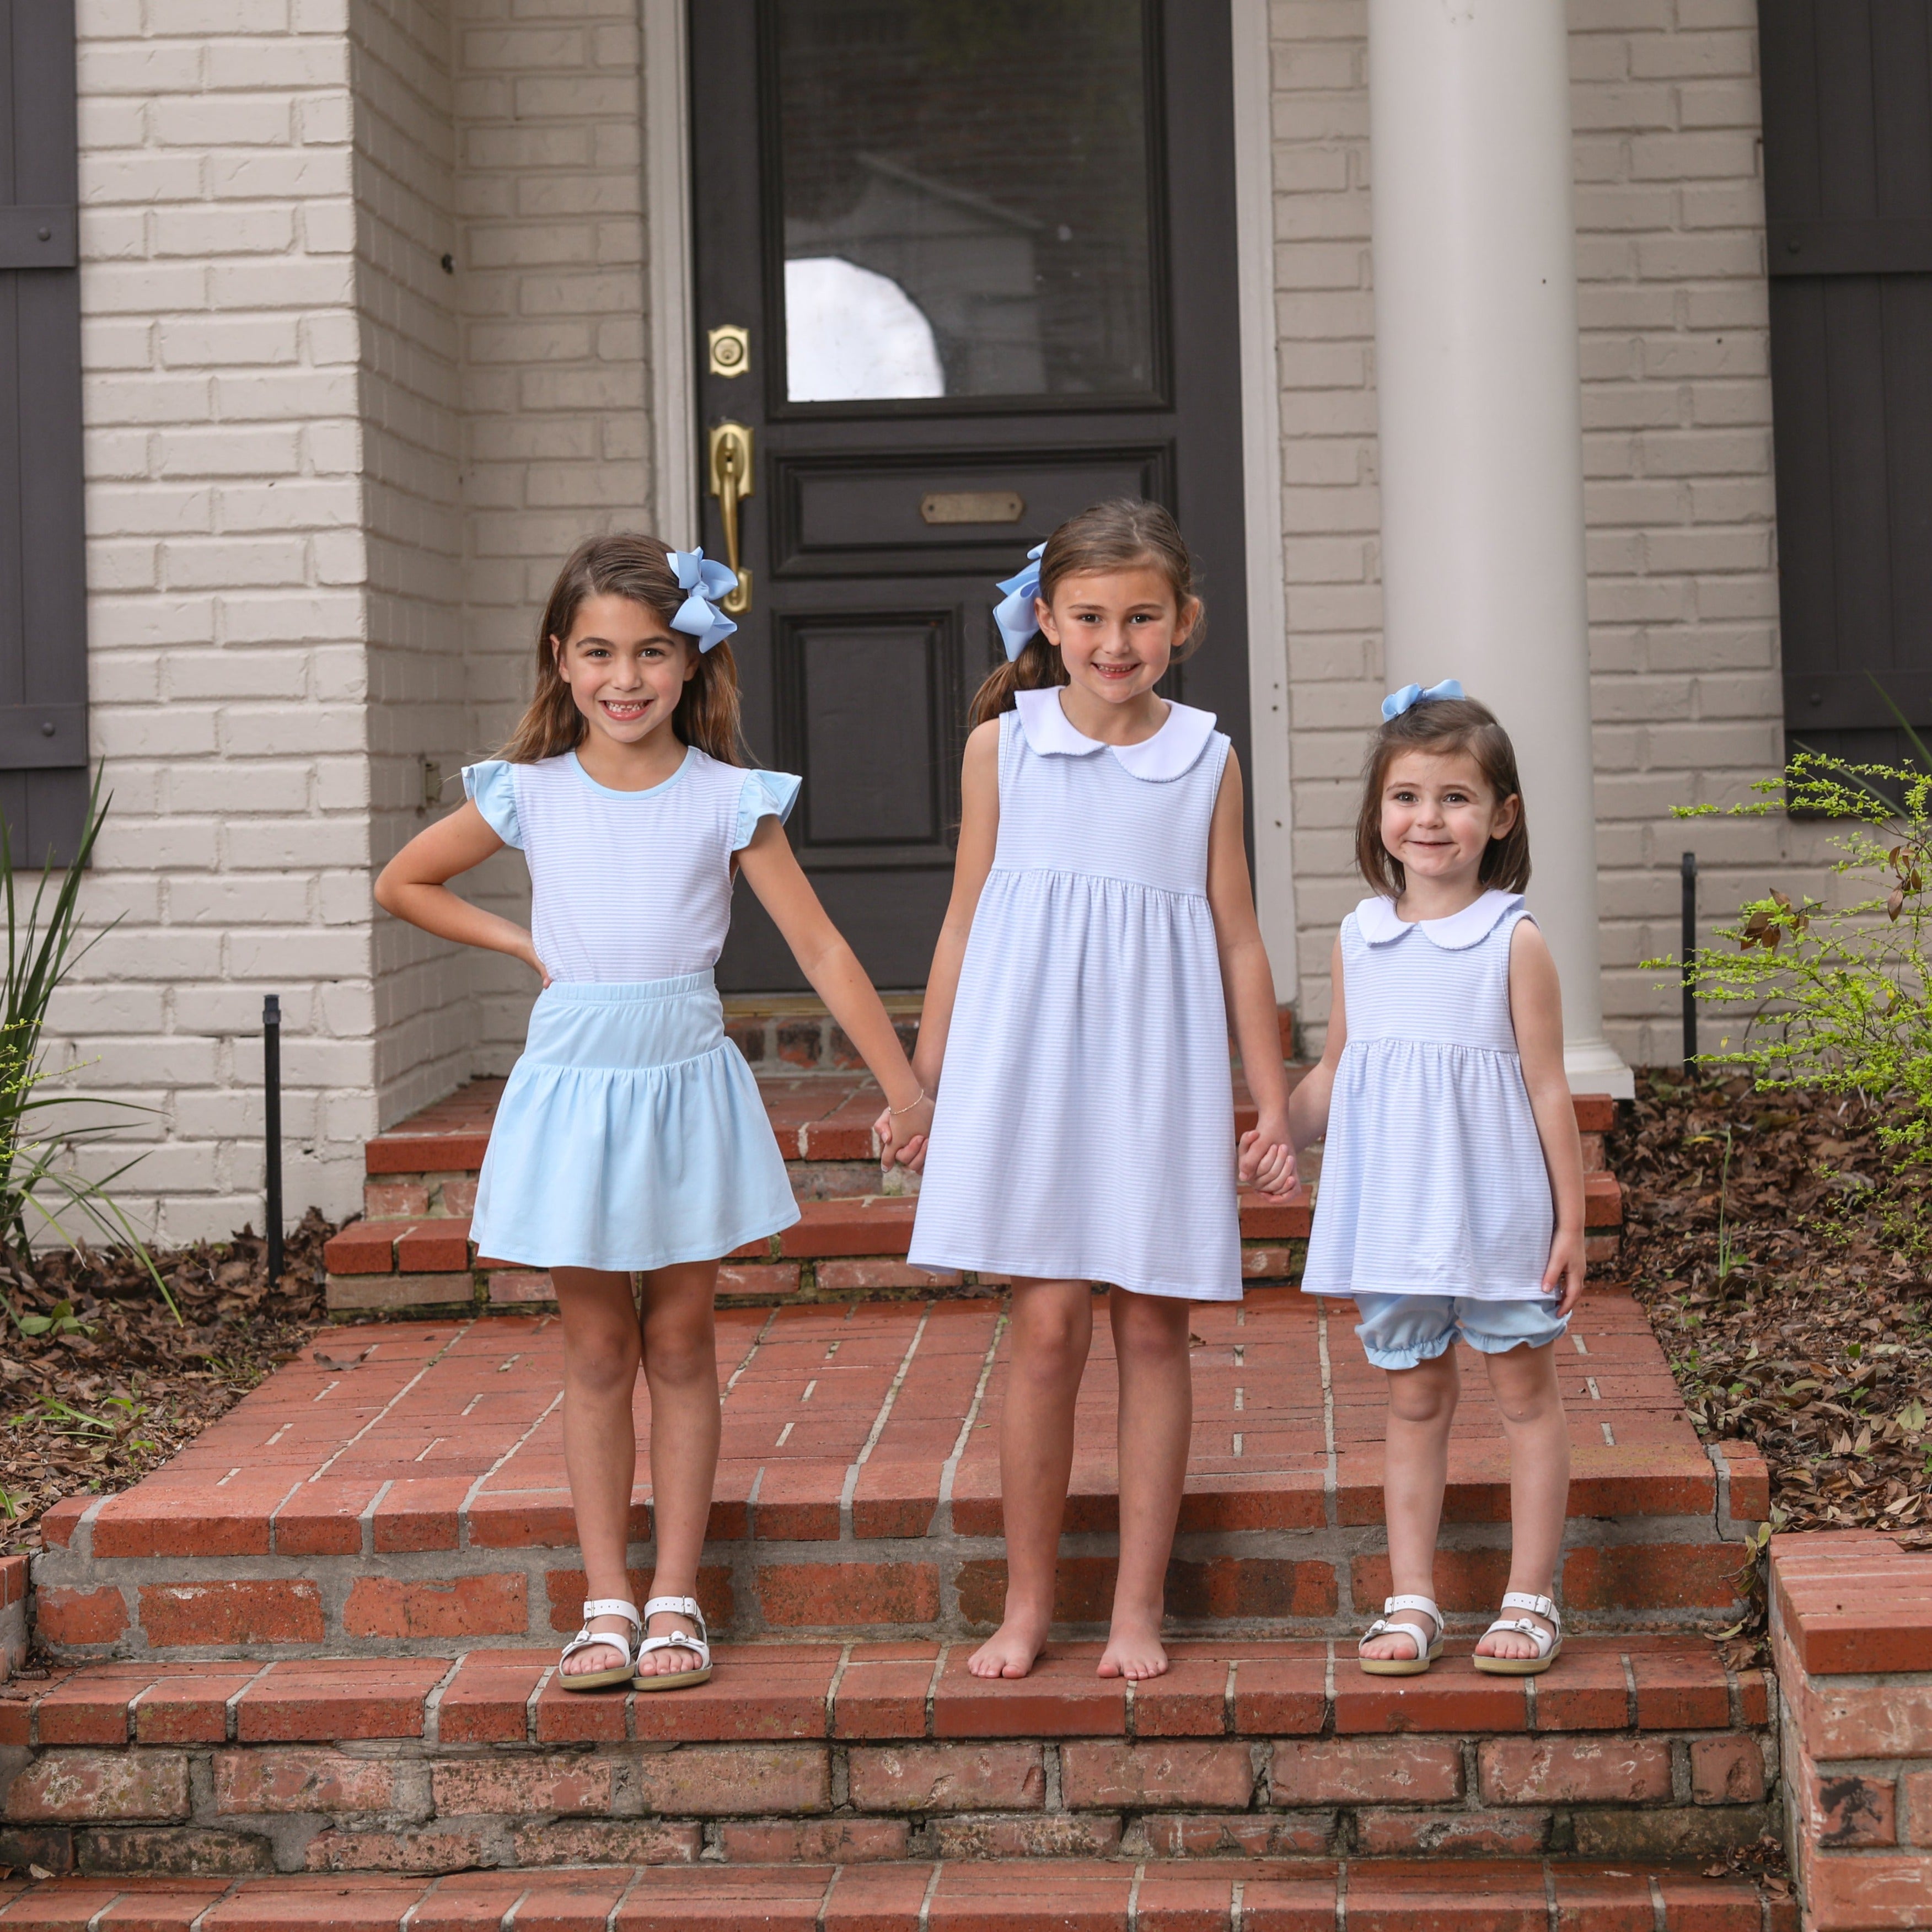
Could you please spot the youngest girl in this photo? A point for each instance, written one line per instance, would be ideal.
(631, 1139)
(1443, 1078)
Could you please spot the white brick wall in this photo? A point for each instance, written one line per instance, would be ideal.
(1678, 498)
(226, 613)
(555, 382)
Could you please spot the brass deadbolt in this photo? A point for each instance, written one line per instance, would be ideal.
(731, 349)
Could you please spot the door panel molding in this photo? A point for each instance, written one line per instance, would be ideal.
(813, 494)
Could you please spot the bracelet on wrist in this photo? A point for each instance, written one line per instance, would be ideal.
(909, 1105)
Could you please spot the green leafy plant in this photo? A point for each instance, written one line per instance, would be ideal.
(62, 1321)
(1838, 1000)
(40, 1193)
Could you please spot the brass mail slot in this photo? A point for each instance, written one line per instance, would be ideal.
(972, 506)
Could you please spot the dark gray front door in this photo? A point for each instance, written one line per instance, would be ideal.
(963, 267)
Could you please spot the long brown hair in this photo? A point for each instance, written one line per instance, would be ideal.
(627, 564)
(1125, 533)
(1443, 725)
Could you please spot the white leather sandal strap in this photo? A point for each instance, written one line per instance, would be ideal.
(1424, 1604)
(1425, 1640)
(677, 1606)
(1541, 1606)
(677, 1640)
(1544, 1640)
(612, 1606)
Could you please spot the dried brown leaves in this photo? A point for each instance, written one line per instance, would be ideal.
(111, 1387)
(1801, 1318)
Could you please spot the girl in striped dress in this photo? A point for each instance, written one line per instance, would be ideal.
(630, 1139)
(1451, 1198)
(1100, 938)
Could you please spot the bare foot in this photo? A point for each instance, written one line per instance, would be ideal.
(601, 1656)
(673, 1658)
(1011, 1651)
(1134, 1651)
(1513, 1643)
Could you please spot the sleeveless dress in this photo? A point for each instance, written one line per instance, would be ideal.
(1433, 1180)
(1084, 1128)
(631, 1134)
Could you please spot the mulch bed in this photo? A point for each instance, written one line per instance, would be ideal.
(1790, 1291)
(112, 1385)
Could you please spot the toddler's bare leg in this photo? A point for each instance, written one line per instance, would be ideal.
(602, 1348)
(1415, 1471)
(1052, 1326)
(1524, 1384)
(681, 1367)
(1156, 1413)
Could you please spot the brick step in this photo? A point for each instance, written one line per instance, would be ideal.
(1644, 1748)
(1071, 1895)
(429, 1262)
(404, 1485)
(423, 1165)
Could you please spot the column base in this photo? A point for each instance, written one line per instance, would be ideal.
(1595, 1066)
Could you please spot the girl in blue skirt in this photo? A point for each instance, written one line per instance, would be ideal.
(631, 1139)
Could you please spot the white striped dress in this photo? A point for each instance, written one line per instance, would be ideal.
(1433, 1180)
(1084, 1129)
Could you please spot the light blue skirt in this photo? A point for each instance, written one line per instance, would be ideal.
(630, 1135)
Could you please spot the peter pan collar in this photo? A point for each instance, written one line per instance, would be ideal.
(1170, 753)
(1376, 919)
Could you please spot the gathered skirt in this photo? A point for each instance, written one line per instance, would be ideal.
(1085, 1129)
(631, 1135)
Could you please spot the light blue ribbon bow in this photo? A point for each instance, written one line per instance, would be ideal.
(1397, 702)
(698, 616)
(1014, 612)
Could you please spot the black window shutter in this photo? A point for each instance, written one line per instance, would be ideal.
(43, 560)
(1848, 206)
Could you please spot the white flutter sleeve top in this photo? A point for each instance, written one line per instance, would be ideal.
(628, 886)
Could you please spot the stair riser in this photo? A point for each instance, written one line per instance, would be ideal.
(406, 1806)
(740, 1283)
(391, 1197)
(1646, 1572)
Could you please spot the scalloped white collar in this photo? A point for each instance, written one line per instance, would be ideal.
(1171, 753)
(1376, 919)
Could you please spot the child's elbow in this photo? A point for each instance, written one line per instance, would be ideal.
(387, 888)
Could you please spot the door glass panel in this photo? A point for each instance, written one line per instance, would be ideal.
(965, 198)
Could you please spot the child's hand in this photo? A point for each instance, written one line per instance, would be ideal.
(1564, 1276)
(1266, 1157)
(902, 1135)
(527, 953)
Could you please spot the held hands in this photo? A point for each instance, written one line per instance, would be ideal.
(1265, 1158)
(1564, 1275)
(902, 1135)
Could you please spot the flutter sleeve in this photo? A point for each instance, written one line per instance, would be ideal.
(772, 794)
(492, 788)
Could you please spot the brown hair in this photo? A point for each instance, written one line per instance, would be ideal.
(627, 564)
(1438, 726)
(1123, 534)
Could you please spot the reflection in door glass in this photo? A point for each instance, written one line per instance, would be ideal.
(965, 198)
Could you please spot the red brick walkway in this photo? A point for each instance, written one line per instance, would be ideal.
(859, 1483)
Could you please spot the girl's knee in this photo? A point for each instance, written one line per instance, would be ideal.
(1427, 1393)
(608, 1370)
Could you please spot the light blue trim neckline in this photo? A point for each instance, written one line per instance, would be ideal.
(650, 791)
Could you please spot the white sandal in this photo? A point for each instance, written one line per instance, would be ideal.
(587, 1638)
(1428, 1648)
(1548, 1643)
(699, 1644)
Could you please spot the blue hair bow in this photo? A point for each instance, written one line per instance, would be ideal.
(1397, 702)
(698, 616)
(1014, 612)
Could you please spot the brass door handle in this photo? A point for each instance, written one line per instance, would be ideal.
(732, 481)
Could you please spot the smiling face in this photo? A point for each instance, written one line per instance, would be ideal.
(1439, 814)
(625, 667)
(1116, 630)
